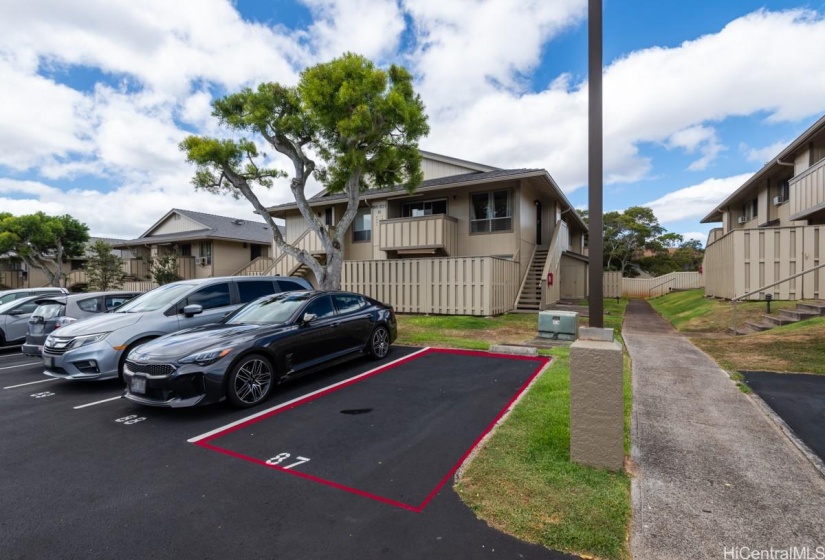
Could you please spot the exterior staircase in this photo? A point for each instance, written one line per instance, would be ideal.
(803, 311)
(530, 298)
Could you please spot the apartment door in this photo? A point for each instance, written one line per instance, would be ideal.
(538, 222)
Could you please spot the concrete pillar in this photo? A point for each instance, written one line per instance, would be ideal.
(596, 400)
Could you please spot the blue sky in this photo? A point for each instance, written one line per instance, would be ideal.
(698, 95)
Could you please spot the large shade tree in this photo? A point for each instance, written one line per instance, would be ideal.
(43, 242)
(361, 122)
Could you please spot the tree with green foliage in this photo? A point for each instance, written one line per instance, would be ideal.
(164, 268)
(363, 123)
(104, 269)
(43, 242)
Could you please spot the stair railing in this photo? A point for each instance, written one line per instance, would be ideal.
(526, 274)
(737, 299)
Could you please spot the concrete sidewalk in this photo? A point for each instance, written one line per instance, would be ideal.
(713, 472)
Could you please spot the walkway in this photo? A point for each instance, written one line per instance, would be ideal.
(713, 472)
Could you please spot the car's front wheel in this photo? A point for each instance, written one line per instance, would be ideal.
(250, 381)
(379, 343)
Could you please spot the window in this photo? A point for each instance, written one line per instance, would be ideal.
(328, 216)
(750, 209)
(251, 290)
(424, 208)
(784, 189)
(362, 225)
(210, 297)
(88, 305)
(321, 307)
(290, 286)
(206, 252)
(27, 308)
(113, 302)
(347, 303)
(185, 249)
(491, 212)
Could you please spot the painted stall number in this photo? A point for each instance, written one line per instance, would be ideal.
(131, 419)
(42, 395)
(281, 457)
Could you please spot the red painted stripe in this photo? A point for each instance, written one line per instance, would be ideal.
(313, 397)
(484, 434)
(542, 363)
(309, 477)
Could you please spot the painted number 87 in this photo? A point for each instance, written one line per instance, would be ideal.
(281, 457)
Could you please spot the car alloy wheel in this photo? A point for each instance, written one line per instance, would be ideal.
(379, 343)
(251, 381)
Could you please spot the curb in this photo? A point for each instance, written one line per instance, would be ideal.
(814, 459)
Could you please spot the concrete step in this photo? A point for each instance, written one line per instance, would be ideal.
(814, 307)
(798, 314)
(758, 327)
(776, 320)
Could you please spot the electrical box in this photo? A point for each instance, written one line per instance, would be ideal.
(559, 325)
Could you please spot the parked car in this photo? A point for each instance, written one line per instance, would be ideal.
(267, 342)
(14, 317)
(55, 312)
(96, 347)
(11, 295)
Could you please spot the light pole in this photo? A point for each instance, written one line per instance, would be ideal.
(595, 166)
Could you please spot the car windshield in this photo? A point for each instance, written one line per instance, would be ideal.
(270, 309)
(156, 299)
(48, 310)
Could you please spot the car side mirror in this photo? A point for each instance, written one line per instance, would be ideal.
(308, 318)
(192, 310)
(16, 312)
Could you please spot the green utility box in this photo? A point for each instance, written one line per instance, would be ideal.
(559, 325)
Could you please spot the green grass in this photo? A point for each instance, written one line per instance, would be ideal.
(522, 480)
(797, 347)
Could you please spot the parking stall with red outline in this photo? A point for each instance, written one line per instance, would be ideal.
(395, 434)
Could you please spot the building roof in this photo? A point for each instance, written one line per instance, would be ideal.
(323, 198)
(772, 166)
(214, 227)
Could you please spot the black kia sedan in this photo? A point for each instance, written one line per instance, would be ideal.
(264, 343)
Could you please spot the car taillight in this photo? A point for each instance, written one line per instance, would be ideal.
(63, 321)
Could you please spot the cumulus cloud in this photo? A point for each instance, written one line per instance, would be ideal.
(765, 154)
(161, 62)
(695, 201)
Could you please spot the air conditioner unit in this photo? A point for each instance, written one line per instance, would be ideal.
(742, 219)
(202, 261)
(777, 200)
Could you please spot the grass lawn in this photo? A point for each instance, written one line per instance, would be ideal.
(522, 481)
(798, 347)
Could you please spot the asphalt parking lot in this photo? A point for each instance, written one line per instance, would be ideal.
(355, 462)
(799, 399)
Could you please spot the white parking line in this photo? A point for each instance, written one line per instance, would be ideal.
(21, 365)
(302, 397)
(97, 402)
(31, 383)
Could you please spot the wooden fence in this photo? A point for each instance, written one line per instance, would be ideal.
(445, 286)
(652, 287)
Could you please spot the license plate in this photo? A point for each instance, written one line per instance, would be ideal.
(138, 385)
(49, 361)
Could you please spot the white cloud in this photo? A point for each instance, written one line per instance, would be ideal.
(650, 96)
(695, 201)
(765, 154)
(697, 235)
(372, 28)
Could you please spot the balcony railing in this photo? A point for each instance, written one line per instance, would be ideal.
(420, 235)
(807, 191)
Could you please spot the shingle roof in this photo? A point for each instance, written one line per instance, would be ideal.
(215, 227)
(441, 182)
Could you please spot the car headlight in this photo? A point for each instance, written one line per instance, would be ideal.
(85, 340)
(206, 357)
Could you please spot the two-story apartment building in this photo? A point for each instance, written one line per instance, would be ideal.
(207, 245)
(472, 239)
(773, 227)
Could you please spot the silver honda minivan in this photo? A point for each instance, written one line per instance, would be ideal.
(97, 347)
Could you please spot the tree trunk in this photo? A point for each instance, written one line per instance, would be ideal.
(332, 271)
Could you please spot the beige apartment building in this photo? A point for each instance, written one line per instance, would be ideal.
(773, 228)
(207, 245)
(472, 239)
